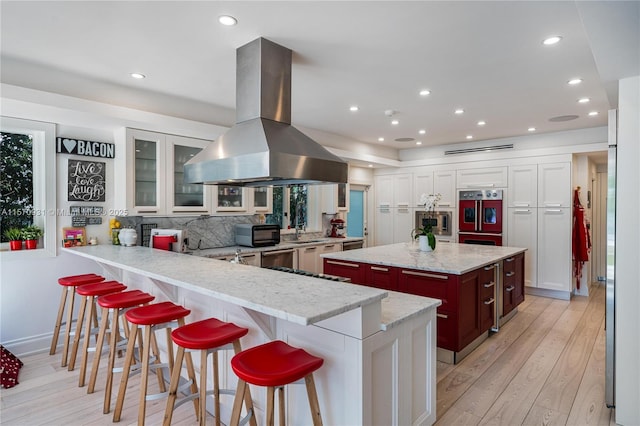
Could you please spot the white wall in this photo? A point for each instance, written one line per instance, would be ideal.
(627, 254)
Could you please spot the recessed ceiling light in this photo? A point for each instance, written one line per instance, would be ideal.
(531, 129)
(353, 108)
(574, 81)
(481, 123)
(422, 131)
(551, 40)
(380, 139)
(583, 100)
(425, 92)
(137, 75)
(593, 113)
(459, 111)
(395, 122)
(469, 136)
(227, 20)
(418, 143)
(370, 165)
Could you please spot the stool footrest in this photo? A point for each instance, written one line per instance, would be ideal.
(245, 419)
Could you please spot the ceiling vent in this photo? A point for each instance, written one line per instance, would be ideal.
(479, 149)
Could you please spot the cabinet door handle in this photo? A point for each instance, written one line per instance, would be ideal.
(377, 268)
(510, 288)
(444, 316)
(351, 265)
(331, 246)
(489, 301)
(424, 274)
(248, 255)
(511, 259)
(445, 204)
(515, 204)
(521, 211)
(490, 267)
(553, 204)
(510, 274)
(310, 249)
(489, 284)
(553, 211)
(147, 211)
(405, 205)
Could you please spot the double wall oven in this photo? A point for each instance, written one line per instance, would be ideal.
(480, 217)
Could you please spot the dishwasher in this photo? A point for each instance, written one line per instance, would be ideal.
(352, 245)
(282, 258)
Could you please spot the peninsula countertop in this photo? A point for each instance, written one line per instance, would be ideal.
(295, 298)
(450, 258)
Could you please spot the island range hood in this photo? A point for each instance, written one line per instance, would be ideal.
(263, 148)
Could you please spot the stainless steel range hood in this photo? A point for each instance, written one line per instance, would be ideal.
(263, 148)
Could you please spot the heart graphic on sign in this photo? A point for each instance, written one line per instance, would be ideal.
(69, 144)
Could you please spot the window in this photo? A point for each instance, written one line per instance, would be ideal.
(291, 207)
(28, 176)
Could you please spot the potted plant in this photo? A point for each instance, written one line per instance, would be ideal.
(30, 235)
(14, 235)
(424, 234)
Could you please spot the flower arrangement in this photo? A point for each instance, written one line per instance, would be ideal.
(429, 203)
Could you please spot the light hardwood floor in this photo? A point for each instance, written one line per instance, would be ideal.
(545, 366)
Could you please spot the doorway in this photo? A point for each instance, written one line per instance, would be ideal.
(357, 215)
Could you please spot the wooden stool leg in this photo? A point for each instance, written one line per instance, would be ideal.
(76, 339)
(125, 372)
(144, 377)
(248, 402)
(156, 354)
(282, 416)
(237, 403)
(313, 400)
(173, 387)
(270, 405)
(95, 365)
(67, 333)
(85, 345)
(58, 325)
(202, 400)
(113, 342)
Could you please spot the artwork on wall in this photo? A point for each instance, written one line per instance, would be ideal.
(86, 180)
(74, 236)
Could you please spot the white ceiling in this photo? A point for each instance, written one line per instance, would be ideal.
(485, 57)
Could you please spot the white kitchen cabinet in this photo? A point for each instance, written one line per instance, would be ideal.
(403, 224)
(488, 177)
(422, 184)
(335, 198)
(394, 197)
(384, 218)
(523, 232)
(554, 185)
(261, 199)
(324, 249)
(554, 249)
(155, 185)
(523, 186)
(230, 199)
(309, 256)
(444, 183)
(403, 190)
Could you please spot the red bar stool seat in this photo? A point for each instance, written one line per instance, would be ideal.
(208, 336)
(68, 283)
(116, 304)
(164, 315)
(274, 365)
(89, 294)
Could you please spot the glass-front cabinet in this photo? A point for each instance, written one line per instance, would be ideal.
(262, 199)
(185, 197)
(230, 198)
(146, 196)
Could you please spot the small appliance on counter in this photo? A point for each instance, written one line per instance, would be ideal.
(168, 239)
(337, 228)
(257, 235)
(128, 237)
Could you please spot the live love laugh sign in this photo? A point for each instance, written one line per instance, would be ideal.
(87, 148)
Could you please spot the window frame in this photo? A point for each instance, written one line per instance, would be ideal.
(314, 216)
(44, 184)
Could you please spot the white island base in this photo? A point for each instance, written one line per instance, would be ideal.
(379, 356)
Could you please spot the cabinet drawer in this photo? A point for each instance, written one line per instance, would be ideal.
(352, 270)
(384, 277)
(430, 284)
(487, 281)
(447, 325)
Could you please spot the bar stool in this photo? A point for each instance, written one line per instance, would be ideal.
(69, 284)
(208, 336)
(117, 304)
(89, 294)
(274, 365)
(153, 317)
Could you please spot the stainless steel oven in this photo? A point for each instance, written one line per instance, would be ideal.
(440, 222)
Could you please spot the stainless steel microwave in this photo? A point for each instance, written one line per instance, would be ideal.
(440, 221)
(257, 235)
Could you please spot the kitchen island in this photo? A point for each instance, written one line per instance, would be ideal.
(378, 345)
(480, 286)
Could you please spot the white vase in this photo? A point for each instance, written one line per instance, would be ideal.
(423, 241)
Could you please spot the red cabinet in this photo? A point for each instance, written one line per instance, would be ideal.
(430, 284)
(341, 268)
(512, 283)
(384, 277)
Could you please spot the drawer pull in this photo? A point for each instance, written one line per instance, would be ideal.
(331, 246)
(511, 259)
(510, 274)
(377, 268)
(510, 288)
(489, 301)
(442, 316)
(488, 268)
(489, 284)
(310, 249)
(351, 265)
(424, 274)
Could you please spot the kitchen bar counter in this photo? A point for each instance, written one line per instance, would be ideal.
(448, 258)
(365, 335)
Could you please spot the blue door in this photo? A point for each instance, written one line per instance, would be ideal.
(355, 217)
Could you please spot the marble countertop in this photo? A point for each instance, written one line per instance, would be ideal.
(284, 245)
(295, 298)
(399, 307)
(450, 258)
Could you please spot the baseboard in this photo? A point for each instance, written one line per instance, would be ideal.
(29, 345)
(554, 294)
